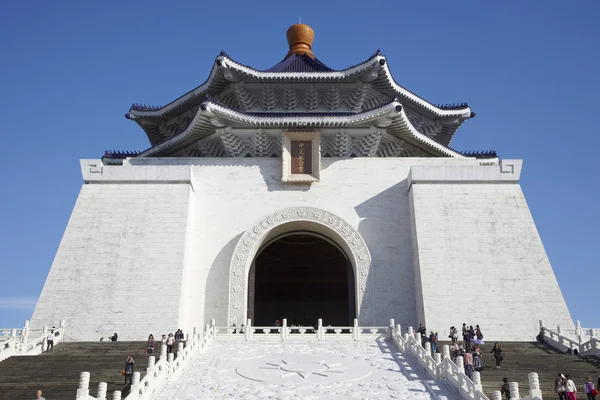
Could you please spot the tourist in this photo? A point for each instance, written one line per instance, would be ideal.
(163, 340)
(150, 345)
(423, 332)
(170, 342)
(505, 389)
(468, 360)
(464, 330)
(467, 342)
(478, 333)
(590, 389)
(114, 337)
(454, 351)
(453, 334)
(433, 340)
(540, 337)
(497, 351)
(129, 370)
(570, 388)
(50, 340)
(477, 363)
(559, 387)
(38, 395)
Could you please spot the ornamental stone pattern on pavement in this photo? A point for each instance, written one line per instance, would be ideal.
(304, 370)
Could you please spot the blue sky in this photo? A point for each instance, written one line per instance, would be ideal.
(70, 70)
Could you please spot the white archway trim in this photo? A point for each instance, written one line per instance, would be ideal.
(325, 222)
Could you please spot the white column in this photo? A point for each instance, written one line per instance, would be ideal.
(116, 395)
(391, 328)
(514, 391)
(84, 385)
(102, 387)
(248, 329)
(460, 363)
(410, 330)
(437, 357)
(179, 349)
(356, 330)
(136, 379)
(534, 386)
(163, 351)
(399, 329)
(477, 380)
(319, 329)
(428, 348)
(497, 395)
(284, 329)
(151, 364)
(45, 342)
(170, 358)
(446, 351)
(592, 335)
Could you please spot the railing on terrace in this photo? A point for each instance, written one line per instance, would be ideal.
(564, 340)
(158, 373)
(285, 332)
(27, 342)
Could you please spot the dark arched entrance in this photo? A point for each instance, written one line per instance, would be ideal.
(301, 276)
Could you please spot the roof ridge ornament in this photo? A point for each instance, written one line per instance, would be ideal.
(300, 38)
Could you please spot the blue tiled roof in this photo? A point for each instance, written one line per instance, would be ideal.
(301, 63)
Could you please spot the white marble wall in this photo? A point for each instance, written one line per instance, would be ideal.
(149, 244)
(481, 260)
(119, 264)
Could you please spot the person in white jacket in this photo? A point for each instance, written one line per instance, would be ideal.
(570, 389)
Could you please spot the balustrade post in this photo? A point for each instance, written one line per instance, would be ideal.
(116, 395)
(84, 385)
(437, 357)
(45, 340)
(592, 335)
(248, 329)
(497, 395)
(399, 329)
(419, 339)
(477, 381)
(151, 364)
(356, 330)
(319, 329)
(391, 328)
(13, 333)
(559, 331)
(179, 349)
(460, 363)
(170, 358)
(25, 335)
(514, 391)
(427, 348)
(535, 393)
(446, 351)
(284, 329)
(135, 380)
(163, 351)
(102, 387)
(578, 330)
(411, 331)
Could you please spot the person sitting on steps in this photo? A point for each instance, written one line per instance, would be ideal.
(114, 337)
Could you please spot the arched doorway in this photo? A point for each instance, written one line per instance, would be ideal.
(301, 276)
(295, 219)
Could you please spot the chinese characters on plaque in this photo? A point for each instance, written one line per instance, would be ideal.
(301, 152)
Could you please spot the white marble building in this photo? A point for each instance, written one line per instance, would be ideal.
(300, 192)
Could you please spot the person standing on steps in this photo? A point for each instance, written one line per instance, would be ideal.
(468, 360)
(129, 370)
(559, 387)
(453, 334)
(151, 344)
(497, 352)
(477, 363)
(570, 388)
(170, 342)
(590, 389)
(50, 340)
(505, 389)
(38, 395)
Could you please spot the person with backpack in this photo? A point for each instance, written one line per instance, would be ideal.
(128, 371)
(590, 389)
(433, 339)
(505, 389)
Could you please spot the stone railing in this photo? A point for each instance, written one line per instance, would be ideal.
(27, 342)
(441, 367)
(285, 332)
(158, 373)
(572, 339)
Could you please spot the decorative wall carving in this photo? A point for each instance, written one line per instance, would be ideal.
(252, 239)
(244, 97)
(311, 98)
(268, 99)
(290, 98)
(356, 98)
(423, 124)
(332, 98)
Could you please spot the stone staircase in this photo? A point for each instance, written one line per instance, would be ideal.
(521, 358)
(57, 373)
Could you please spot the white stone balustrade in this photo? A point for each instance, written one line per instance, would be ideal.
(514, 391)
(583, 340)
(26, 341)
(102, 388)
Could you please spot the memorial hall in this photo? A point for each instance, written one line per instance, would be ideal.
(300, 192)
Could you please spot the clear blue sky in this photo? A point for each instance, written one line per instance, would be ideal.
(70, 70)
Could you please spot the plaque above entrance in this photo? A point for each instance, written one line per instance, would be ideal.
(301, 157)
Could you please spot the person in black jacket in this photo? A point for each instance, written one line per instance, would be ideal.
(505, 390)
(497, 351)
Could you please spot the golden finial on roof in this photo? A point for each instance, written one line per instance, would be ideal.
(300, 38)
